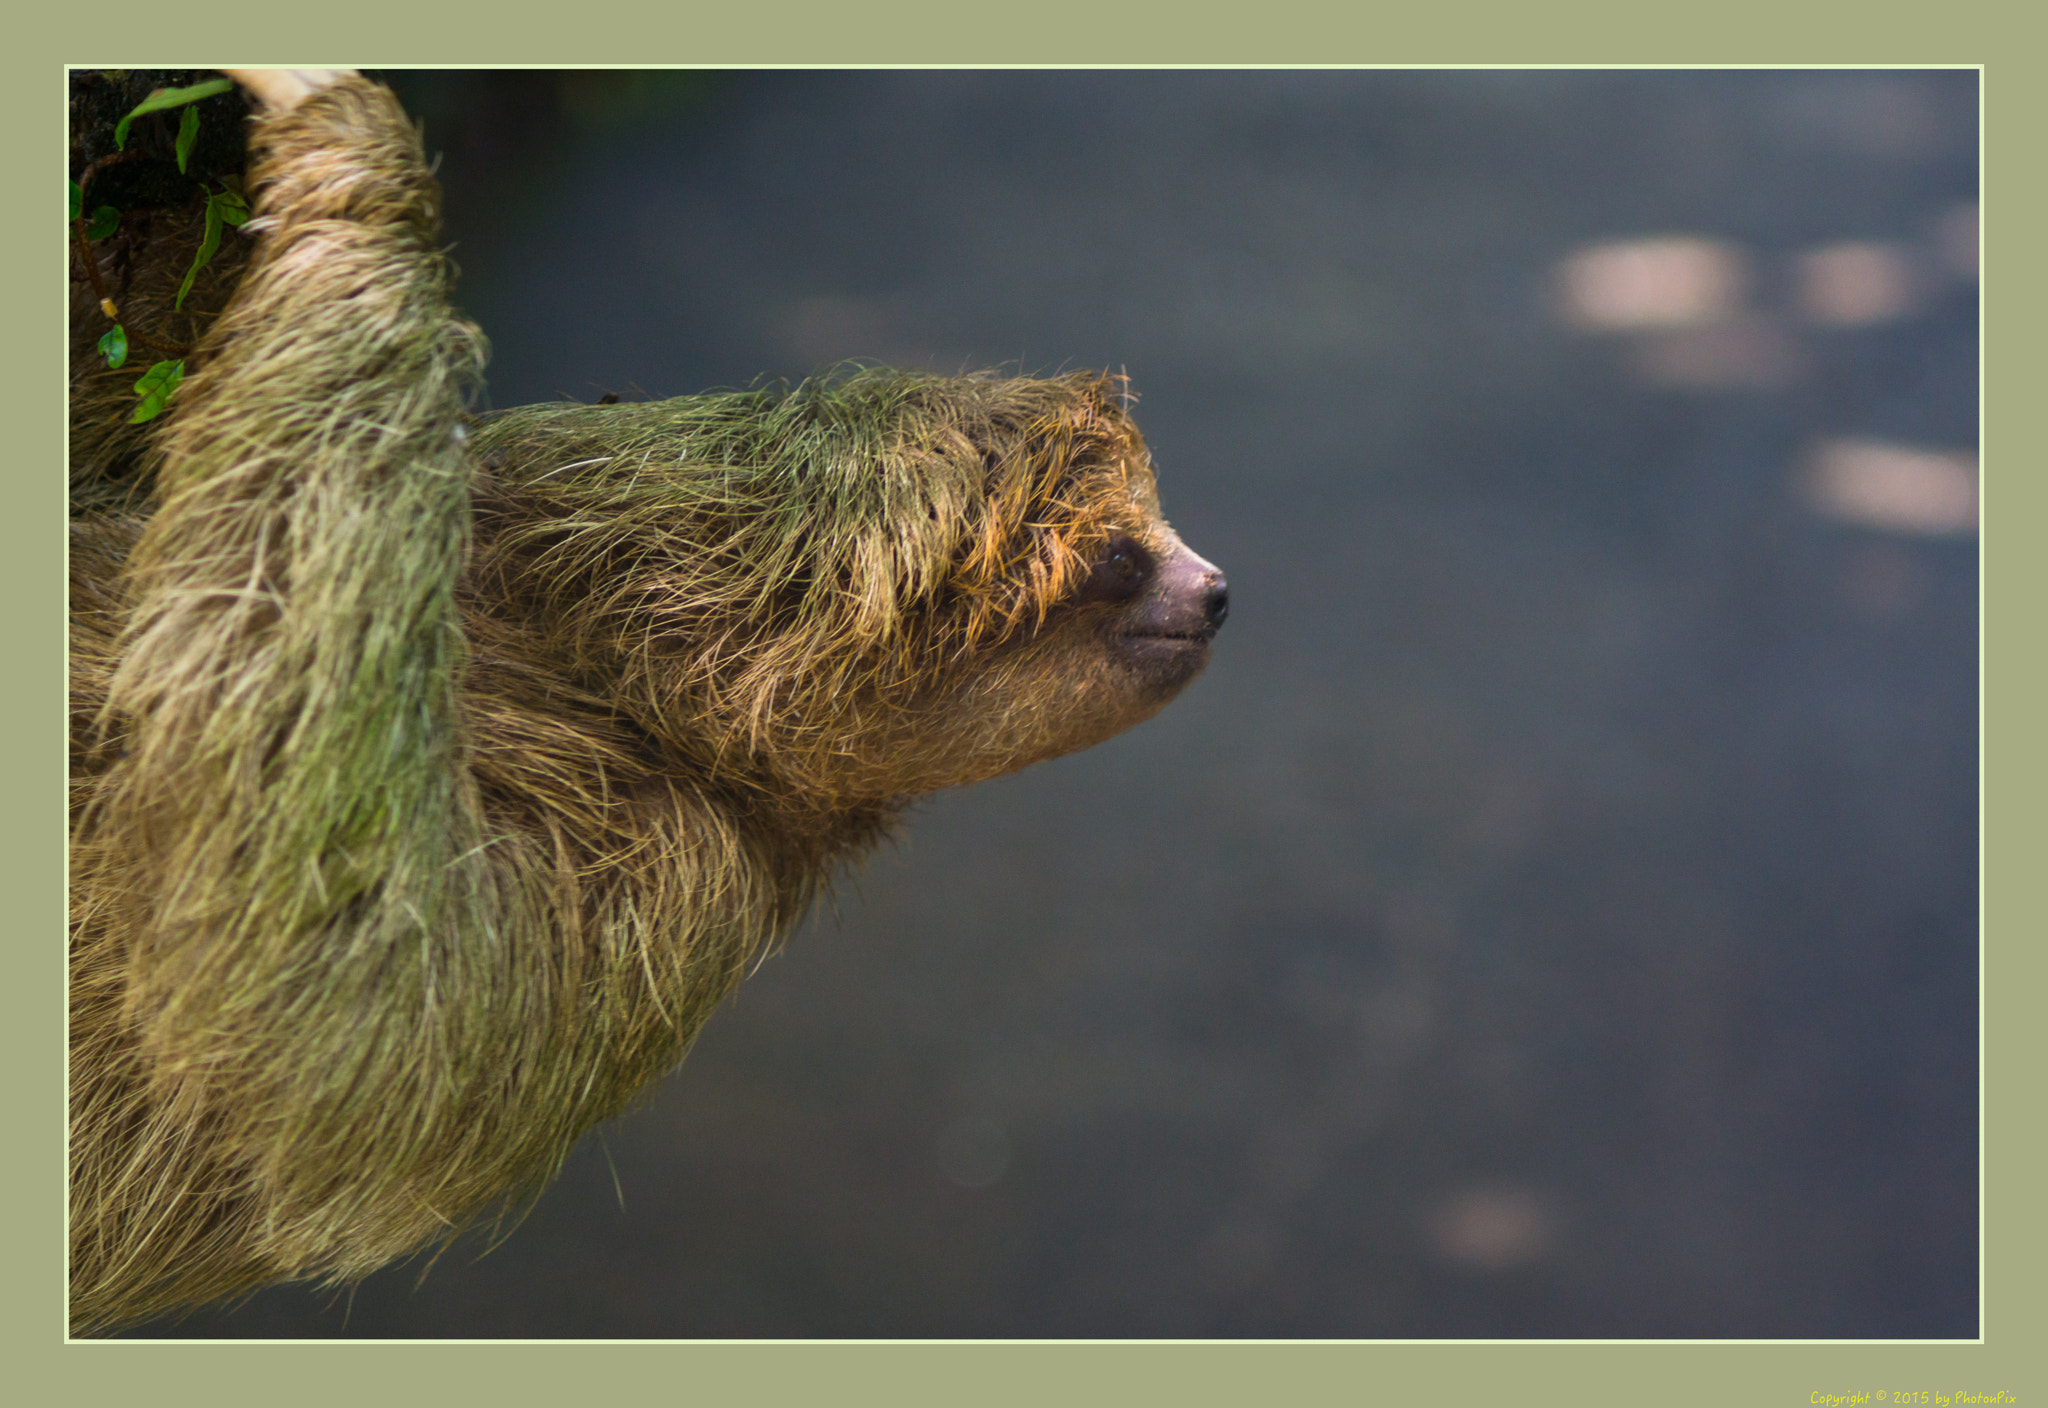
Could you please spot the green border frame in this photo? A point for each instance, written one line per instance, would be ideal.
(1740, 33)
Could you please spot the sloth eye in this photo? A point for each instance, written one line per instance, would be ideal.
(1120, 573)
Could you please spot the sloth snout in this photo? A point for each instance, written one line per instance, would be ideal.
(1193, 598)
(1216, 601)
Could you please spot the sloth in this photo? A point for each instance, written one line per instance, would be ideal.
(436, 775)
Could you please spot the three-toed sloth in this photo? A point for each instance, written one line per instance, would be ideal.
(436, 776)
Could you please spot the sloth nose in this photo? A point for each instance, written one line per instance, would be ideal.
(1216, 601)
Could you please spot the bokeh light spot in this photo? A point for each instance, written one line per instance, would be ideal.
(1672, 282)
(1855, 284)
(1894, 488)
(1492, 1229)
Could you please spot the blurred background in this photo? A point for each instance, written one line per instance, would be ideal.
(1555, 911)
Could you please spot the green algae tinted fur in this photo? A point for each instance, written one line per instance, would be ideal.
(435, 778)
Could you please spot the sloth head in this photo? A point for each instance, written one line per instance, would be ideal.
(877, 585)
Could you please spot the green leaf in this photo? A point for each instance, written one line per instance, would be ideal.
(233, 208)
(105, 221)
(222, 207)
(77, 200)
(155, 389)
(114, 346)
(188, 135)
(165, 98)
(158, 375)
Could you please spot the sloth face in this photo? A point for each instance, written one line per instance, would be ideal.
(1166, 605)
(1110, 656)
(859, 589)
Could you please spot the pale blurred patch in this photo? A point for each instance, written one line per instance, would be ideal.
(1855, 284)
(1492, 1229)
(1677, 281)
(1957, 241)
(1754, 353)
(1896, 488)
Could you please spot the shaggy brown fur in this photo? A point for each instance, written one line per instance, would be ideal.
(434, 779)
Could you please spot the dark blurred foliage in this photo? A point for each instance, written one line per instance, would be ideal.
(1555, 914)
(142, 173)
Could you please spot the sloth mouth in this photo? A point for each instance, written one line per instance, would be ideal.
(1164, 660)
(1202, 637)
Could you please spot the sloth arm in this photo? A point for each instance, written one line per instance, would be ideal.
(293, 799)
